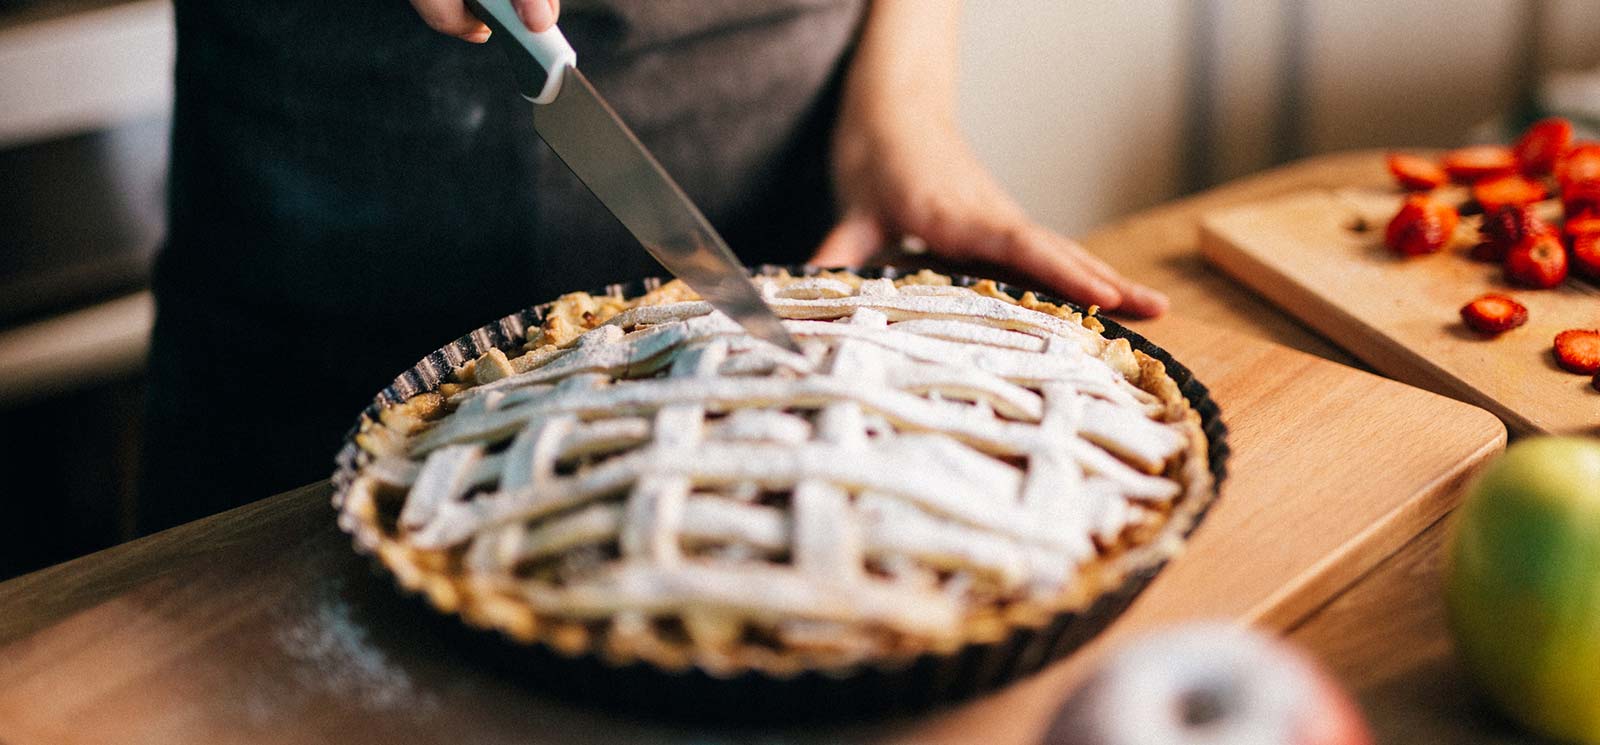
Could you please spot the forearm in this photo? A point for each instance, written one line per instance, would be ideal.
(905, 64)
(901, 168)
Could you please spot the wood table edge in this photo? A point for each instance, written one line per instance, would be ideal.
(1378, 542)
(39, 599)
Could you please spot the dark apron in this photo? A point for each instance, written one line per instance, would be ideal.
(351, 190)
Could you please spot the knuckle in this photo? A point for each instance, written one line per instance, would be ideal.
(1018, 239)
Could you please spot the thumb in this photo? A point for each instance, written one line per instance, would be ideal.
(537, 15)
(851, 243)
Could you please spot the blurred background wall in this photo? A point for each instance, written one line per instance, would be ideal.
(1089, 110)
(1086, 109)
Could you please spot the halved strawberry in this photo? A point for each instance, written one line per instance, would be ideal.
(1477, 162)
(1503, 191)
(1581, 223)
(1415, 173)
(1542, 145)
(1506, 227)
(1580, 164)
(1578, 350)
(1493, 314)
(1586, 255)
(1537, 261)
(1422, 226)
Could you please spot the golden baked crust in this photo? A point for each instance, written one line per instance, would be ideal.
(521, 599)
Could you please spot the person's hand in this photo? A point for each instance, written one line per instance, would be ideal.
(902, 170)
(919, 179)
(452, 18)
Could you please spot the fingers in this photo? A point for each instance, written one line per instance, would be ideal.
(1034, 254)
(1063, 266)
(1133, 298)
(1042, 261)
(851, 243)
(1007, 242)
(1137, 299)
(450, 17)
(538, 15)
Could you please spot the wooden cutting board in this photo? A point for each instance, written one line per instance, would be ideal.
(1320, 256)
(261, 625)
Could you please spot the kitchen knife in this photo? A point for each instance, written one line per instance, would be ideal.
(606, 156)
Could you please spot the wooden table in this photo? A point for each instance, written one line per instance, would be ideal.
(1383, 635)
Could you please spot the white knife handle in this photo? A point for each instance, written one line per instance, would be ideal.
(537, 60)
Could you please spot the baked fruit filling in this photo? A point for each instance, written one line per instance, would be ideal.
(645, 481)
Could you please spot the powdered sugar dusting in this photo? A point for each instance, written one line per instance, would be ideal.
(333, 654)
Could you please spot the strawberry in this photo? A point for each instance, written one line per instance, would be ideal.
(1581, 223)
(1422, 226)
(1472, 164)
(1415, 173)
(1504, 228)
(1538, 261)
(1578, 350)
(1501, 191)
(1581, 197)
(1493, 314)
(1586, 255)
(1542, 145)
(1581, 164)
(1512, 223)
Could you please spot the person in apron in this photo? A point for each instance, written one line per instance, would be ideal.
(350, 191)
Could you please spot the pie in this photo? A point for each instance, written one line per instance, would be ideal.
(645, 482)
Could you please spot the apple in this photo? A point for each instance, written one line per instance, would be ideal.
(1208, 684)
(1523, 585)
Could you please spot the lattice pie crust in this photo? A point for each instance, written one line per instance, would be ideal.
(647, 482)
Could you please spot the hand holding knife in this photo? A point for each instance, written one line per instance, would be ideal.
(600, 149)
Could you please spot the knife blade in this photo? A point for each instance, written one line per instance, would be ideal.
(589, 137)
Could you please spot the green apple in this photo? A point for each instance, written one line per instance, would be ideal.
(1523, 585)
